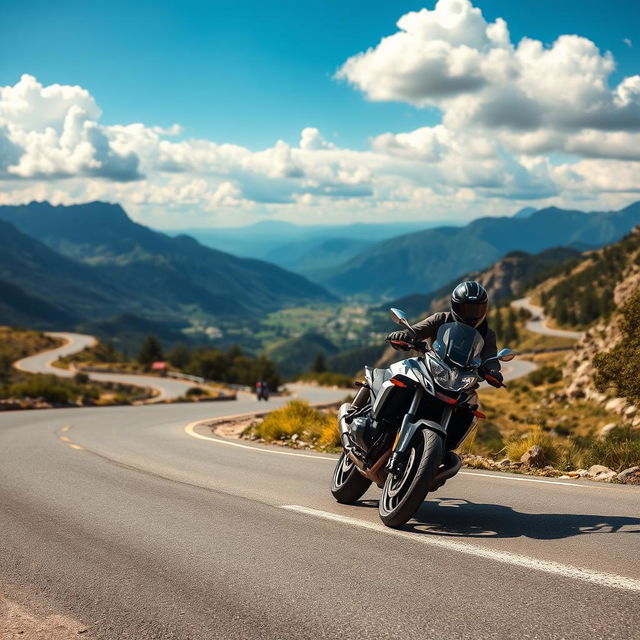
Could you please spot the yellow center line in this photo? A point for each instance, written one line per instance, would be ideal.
(75, 446)
(65, 439)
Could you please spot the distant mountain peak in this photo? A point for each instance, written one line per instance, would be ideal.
(525, 212)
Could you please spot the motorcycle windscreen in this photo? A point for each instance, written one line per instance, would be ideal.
(459, 344)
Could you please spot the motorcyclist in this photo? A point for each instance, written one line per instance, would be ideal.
(469, 301)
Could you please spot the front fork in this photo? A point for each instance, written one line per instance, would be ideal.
(398, 460)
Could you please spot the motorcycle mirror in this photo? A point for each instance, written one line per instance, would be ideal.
(506, 355)
(400, 317)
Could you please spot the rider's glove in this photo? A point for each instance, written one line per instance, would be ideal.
(494, 378)
(399, 340)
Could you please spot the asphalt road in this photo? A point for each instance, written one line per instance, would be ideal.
(118, 518)
(125, 521)
(538, 322)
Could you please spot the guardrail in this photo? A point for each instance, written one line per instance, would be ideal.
(185, 376)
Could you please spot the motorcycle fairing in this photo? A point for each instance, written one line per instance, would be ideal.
(376, 378)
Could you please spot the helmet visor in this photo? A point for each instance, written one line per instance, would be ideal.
(470, 313)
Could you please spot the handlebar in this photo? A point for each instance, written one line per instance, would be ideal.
(416, 346)
(494, 382)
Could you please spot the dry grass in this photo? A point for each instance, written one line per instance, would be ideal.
(619, 450)
(550, 446)
(16, 343)
(298, 418)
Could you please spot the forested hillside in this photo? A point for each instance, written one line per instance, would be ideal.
(584, 292)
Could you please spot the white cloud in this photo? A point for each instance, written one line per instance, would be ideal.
(520, 122)
(451, 58)
(53, 133)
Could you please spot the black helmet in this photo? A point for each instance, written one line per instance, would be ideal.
(469, 303)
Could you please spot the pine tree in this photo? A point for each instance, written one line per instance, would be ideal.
(150, 351)
(319, 364)
(511, 328)
(180, 355)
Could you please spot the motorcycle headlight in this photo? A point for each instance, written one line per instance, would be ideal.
(450, 379)
(460, 382)
(440, 373)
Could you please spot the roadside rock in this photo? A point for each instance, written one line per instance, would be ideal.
(617, 405)
(630, 476)
(601, 473)
(534, 457)
(606, 430)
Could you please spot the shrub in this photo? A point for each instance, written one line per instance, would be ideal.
(620, 367)
(485, 440)
(297, 417)
(545, 375)
(619, 450)
(515, 449)
(49, 387)
(195, 391)
(81, 378)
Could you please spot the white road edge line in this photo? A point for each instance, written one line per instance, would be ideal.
(538, 480)
(190, 431)
(564, 570)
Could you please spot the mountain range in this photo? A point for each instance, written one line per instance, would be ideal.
(91, 266)
(426, 260)
(85, 263)
(269, 237)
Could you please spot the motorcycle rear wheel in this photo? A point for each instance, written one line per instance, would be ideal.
(402, 497)
(347, 483)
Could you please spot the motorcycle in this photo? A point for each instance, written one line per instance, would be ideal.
(418, 412)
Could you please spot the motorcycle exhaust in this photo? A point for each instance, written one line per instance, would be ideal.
(343, 426)
(448, 472)
(377, 472)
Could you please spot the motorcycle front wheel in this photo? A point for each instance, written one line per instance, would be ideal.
(402, 496)
(347, 483)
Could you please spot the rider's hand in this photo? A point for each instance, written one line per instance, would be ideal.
(399, 340)
(494, 378)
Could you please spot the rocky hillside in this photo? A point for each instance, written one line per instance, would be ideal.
(620, 284)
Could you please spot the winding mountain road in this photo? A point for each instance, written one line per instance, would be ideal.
(539, 323)
(137, 522)
(166, 388)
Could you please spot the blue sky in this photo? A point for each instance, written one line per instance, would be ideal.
(253, 72)
(450, 110)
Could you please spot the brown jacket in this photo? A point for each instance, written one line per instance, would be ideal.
(428, 328)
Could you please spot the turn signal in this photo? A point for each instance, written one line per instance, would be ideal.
(446, 399)
(478, 414)
(397, 382)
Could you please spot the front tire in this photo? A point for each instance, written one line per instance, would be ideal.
(402, 497)
(348, 484)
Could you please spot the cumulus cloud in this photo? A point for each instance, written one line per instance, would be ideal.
(453, 59)
(52, 132)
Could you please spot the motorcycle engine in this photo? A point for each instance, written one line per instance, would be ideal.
(362, 431)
